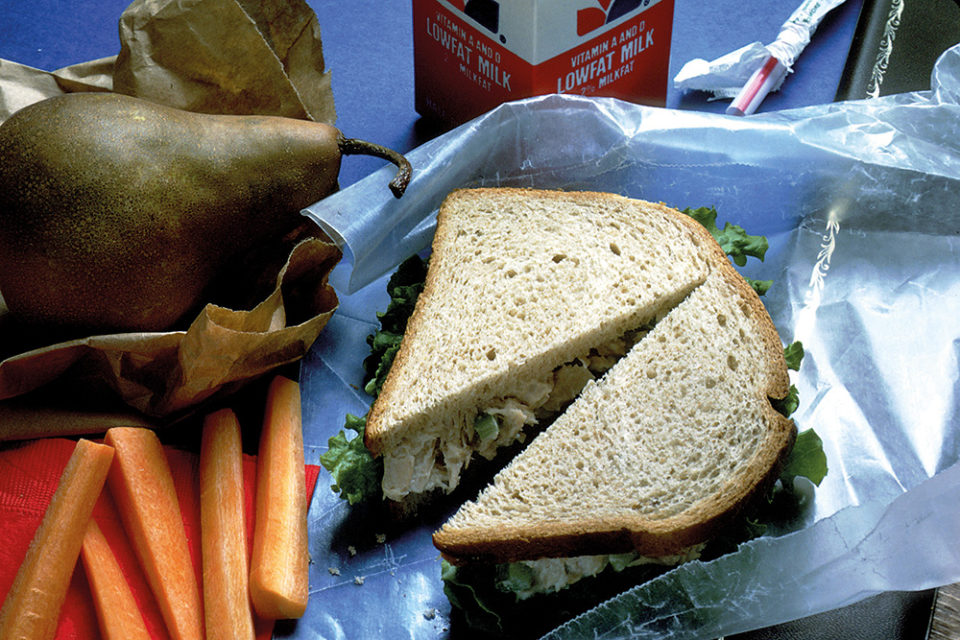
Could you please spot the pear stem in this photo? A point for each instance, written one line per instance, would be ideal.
(353, 146)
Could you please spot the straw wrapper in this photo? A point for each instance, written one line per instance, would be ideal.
(727, 75)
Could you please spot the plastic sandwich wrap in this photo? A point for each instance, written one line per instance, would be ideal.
(861, 204)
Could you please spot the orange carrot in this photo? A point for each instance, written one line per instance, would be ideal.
(31, 609)
(117, 611)
(278, 571)
(143, 489)
(223, 531)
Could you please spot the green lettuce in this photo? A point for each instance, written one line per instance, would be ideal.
(735, 242)
(807, 459)
(403, 287)
(760, 286)
(356, 473)
(787, 405)
(472, 597)
(793, 353)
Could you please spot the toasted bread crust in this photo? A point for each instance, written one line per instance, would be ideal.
(376, 431)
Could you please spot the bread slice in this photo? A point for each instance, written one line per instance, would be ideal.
(519, 283)
(655, 457)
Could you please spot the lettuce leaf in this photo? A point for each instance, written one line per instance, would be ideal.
(787, 405)
(403, 287)
(760, 286)
(356, 473)
(735, 242)
(469, 597)
(807, 459)
(793, 353)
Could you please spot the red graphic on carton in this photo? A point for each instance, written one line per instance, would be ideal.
(592, 18)
(589, 19)
(471, 55)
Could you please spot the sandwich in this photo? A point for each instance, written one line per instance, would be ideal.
(612, 334)
(528, 295)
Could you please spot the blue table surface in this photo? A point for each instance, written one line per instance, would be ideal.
(368, 45)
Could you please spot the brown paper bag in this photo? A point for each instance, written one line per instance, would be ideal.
(225, 56)
(215, 56)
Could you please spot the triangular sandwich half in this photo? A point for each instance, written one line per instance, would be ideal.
(528, 295)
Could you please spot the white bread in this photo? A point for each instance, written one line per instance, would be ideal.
(519, 283)
(655, 457)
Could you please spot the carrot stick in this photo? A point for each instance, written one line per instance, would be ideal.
(143, 489)
(31, 609)
(117, 610)
(278, 573)
(223, 531)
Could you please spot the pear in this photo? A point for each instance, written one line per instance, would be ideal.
(116, 213)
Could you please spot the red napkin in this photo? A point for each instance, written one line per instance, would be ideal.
(29, 474)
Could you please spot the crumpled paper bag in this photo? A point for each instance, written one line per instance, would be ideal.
(225, 56)
(217, 56)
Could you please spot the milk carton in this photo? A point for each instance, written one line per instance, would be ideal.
(471, 55)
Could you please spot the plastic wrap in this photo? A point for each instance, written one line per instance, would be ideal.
(861, 203)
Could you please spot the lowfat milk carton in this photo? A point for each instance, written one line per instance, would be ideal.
(471, 55)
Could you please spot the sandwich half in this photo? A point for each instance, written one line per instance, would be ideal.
(529, 296)
(656, 457)
(653, 460)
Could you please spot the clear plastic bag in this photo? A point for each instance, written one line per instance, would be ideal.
(861, 204)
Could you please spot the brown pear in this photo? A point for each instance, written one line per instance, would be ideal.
(116, 213)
